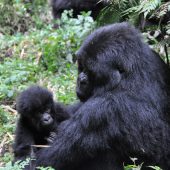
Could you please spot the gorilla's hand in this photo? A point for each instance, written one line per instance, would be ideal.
(51, 137)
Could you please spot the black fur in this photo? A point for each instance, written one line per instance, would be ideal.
(32, 105)
(58, 6)
(125, 112)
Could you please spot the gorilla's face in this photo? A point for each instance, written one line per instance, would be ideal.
(97, 71)
(42, 118)
(36, 105)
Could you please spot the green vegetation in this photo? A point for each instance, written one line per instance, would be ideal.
(39, 56)
(33, 52)
(42, 54)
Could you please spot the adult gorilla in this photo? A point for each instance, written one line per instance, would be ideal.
(124, 86)
(95, 6)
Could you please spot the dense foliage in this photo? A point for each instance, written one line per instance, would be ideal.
(41, 56)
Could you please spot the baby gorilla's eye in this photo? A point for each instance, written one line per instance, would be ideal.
(120, 69)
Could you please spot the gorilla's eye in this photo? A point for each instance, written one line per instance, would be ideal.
(120, 69)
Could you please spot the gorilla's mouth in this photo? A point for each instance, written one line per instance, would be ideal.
(48, 124)
(83, 97)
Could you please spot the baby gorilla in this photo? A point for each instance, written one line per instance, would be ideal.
(38, 121)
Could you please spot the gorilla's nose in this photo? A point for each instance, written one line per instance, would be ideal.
(46, 117)
(47, 120)
(83, 79)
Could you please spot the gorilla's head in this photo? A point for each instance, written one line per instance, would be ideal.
(113, 57)
(36, 105)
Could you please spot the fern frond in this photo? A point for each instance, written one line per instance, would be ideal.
(147, 6)
(162, 10)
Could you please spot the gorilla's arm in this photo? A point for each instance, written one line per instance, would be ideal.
(80, 137)
(64, 112)
(24, 139)
(71, 109)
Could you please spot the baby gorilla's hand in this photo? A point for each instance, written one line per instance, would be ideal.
(51, 137)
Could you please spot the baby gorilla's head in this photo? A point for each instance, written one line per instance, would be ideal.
(36, 105)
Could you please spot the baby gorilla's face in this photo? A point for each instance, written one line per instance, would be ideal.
(46, 118)
(43, 119)
(36, 106)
